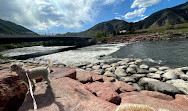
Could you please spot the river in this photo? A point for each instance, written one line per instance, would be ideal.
(173, 53)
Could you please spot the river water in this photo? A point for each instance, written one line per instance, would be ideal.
(173, 53)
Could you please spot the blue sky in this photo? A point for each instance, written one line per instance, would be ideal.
(61, 16)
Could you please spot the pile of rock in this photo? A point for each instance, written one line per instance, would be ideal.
(73, 90)
(143, 77)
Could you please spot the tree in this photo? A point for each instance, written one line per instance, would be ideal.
(130, 28)
(114, 33)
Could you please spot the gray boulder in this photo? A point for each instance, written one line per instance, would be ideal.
(131, 70)
(89, 69)
(160, 72)
(154, 76)
(110, 74)
(142, 71)
(136, 86)
(99, 71)
(138, 61)
(133, 66)
(184, 77)
(143, 66)
(105, 66)
(153, 70)
(96, 67)
(163, 68)
(185, 69)
(163, 87)
(89, 66)
(172, 74)
(144, 81)
(138, 76)
(180, 84)
(120, 72)
(127, 79)
(111, 69)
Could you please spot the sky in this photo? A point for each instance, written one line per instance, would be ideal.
(62, 16)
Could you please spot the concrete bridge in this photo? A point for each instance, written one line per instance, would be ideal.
(73, 41)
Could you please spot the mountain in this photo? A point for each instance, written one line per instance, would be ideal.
(174, 15)
(10, 28)
(105, 27)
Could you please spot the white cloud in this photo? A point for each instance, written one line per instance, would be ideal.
(143, 17)
(43, 14)
(142, 5)
(136, 13)
(119, 18)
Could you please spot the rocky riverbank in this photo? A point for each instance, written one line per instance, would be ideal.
(99, 87)
(146, 37)
(143, 77)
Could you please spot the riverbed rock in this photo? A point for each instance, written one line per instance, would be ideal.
(127, 79)
(115, 64)
(111, 69)
(185, 69)
(163, 87)
(130, 70)
(88, 69)
(169, 76)
(154, 76)
(110, 74)
(136, 86)
(96, 67)
(89, 66)
(133, 66)
(120, 72)
(153, 70)
(163, 68)
(138, 76)
(143, 82)
(138, 61)
(127, 60)
(142, 71)
(172, 74)
(184, 77)
(160, 72)
(180, 84)
(105, 66)
(143, 66)
(99, 71)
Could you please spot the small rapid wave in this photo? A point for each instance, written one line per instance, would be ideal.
(91, 54)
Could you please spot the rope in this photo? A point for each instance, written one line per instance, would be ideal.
(31, 92)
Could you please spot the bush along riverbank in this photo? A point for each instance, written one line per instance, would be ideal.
(143, 77)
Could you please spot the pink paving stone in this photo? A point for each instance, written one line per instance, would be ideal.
(181, 99)
(124, 87)
(63, 72)
(84, 77)
(139, 98)
(157, 95)
(104, 91)
(65, 94)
